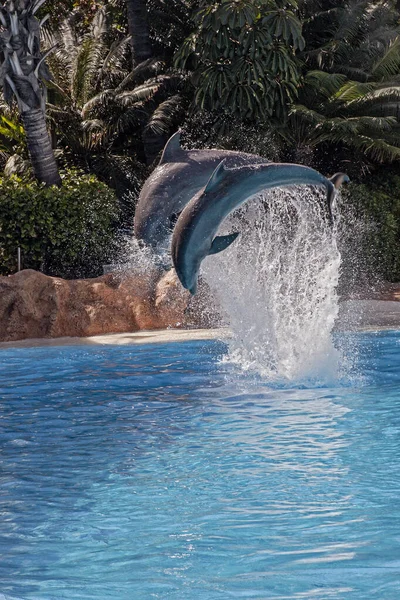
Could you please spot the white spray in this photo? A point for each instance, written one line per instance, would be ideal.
(277, 285)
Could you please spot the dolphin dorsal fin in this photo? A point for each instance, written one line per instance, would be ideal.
(217, 176)
(172, 150)
(221, 242)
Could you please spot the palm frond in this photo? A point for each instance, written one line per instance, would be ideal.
(89, 58)
(350, 20)
(353, 90)
(375, 124)
(165, 115)
(305, 127)
(388, 64)
(99, 24)
(112, 61)
(353, 73)
(353, 99)
(338, 130)
(141, 72)
(388, 109)
(130, 121)
(58, 111)
(87, 65)
(102, 100)
(324, 83)
(95, 133)
(67, 43)
(310, 116)
(142, 93)
(383, 101)
(64, 94)
(381, 19)
(377, 149)
(94, 125)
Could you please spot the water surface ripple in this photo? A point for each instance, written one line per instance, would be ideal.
(157, 472)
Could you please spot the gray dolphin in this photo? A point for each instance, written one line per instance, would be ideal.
(194, 235)
(178, 177)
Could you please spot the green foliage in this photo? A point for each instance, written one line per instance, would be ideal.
(313, 81)
(169, 24)
(67, 232)
(168, 20)
(11, 133)
(99, 104)
(377, 205)
(12, 138)
(243, 57)
(83, 10)
(349, 99)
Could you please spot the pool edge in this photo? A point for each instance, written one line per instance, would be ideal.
(120, 339)
(160, 336)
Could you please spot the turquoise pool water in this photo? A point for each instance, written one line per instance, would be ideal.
(156, 472)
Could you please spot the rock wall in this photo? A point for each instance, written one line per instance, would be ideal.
(33, 305)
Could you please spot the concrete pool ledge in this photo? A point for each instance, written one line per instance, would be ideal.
(124, 339)
(163, 336)
(354, 315)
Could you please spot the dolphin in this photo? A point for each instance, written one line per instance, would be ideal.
(178, 177)
(194, 235)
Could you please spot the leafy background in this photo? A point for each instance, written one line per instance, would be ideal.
(310, 81)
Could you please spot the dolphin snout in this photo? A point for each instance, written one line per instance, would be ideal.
(193, 288)
(338, 179)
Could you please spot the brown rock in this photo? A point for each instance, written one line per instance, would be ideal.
(171, 300)
(33, 305)
(27, 306)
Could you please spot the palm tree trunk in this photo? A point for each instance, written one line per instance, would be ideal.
(139, 30)
(39, 146)
(23, 74)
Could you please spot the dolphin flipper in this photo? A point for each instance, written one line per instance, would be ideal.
(221, 242)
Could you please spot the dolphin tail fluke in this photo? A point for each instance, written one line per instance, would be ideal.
(221, 242)
(334, 184)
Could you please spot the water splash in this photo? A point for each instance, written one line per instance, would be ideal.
(136, 257)
(277, 286)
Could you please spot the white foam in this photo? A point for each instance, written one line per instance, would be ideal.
(277, 285)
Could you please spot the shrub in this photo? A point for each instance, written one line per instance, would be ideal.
(67, 232)
(374, 209)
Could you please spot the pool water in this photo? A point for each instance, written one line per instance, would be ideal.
(141, 472)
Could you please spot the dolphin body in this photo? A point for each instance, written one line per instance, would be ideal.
(194, 235)
(178, 177)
